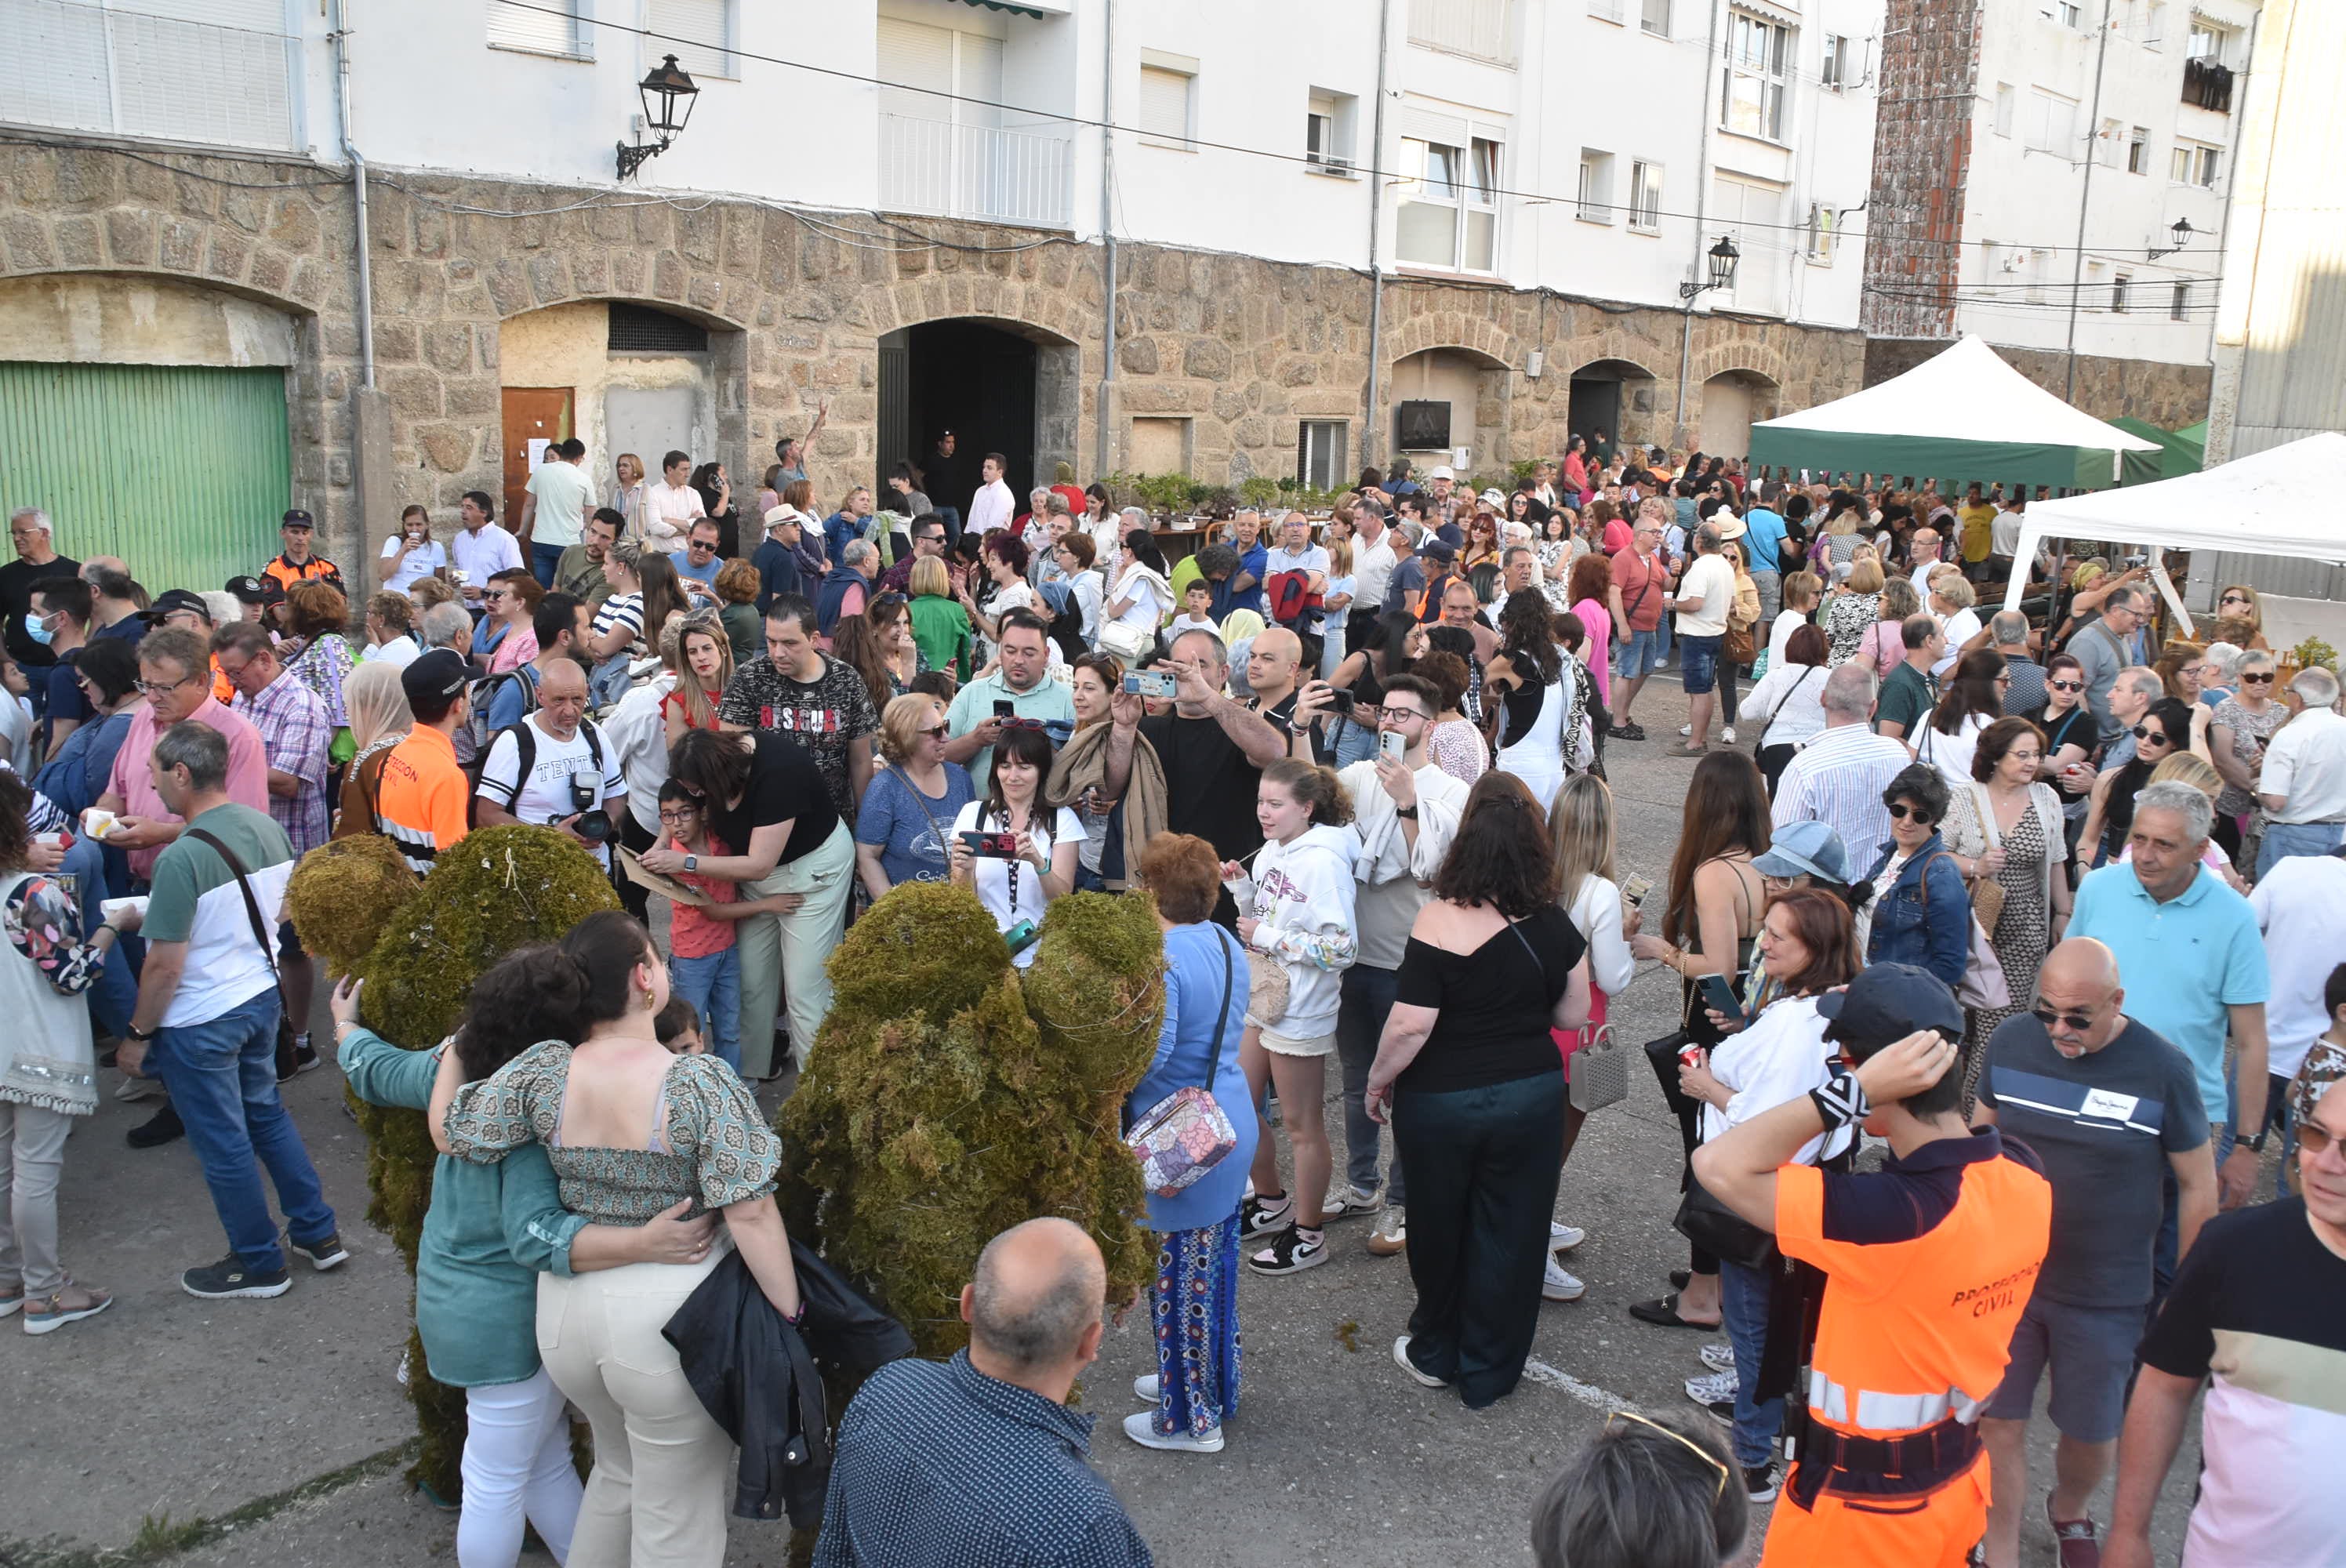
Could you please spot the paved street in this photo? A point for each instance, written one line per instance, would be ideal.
(172, 1409)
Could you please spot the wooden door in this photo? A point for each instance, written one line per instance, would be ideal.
(531, 413)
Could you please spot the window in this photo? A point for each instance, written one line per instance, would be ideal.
(2138, 151)
(2109, 144)
(1483, 29)
(2193, 163)
(2033, 275)
(2052, 123)
(1608, 11)
(553, 30)
(1320, 452)
(1655, 17)
(117, 69)
(1736, 202)
(1835, 72)
(2208, 159)
(1596, 196)
(2118, 286)
(1168, 100)
(2206, 42)
(1449, 213)
(2154, 25)
(2179, 306)
(1327, 131)
(2006, 108)
(1758, 65)
(1645, 196)
(2067, 12)
(1822, 222)
(699, 33)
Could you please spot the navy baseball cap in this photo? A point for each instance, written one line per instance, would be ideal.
(297, 518)
(1885, 1004)
(436, 673)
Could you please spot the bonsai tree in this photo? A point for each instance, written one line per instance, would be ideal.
(948, 1098)
(420, 946)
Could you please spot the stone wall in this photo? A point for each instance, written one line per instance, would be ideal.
(1921, 165)
(1243, 348)
(2169, 396)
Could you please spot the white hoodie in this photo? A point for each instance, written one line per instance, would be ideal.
(1303, 901)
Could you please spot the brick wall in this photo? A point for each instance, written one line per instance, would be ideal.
(1922, 163)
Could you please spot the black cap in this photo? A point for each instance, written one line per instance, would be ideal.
(1436, 548)
(436, 675)
(1888, 1002)
(254, 590)
(297, 518)
(173, 600)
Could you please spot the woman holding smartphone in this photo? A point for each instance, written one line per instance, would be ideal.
(1017, 887)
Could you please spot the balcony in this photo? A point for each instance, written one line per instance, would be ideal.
(980, 172)
(1478, 29)
(2207, 84)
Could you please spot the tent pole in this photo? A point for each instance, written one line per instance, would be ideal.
(2077, 258)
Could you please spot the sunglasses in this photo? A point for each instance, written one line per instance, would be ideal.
(2314, 1138)
(2066, 684)
(2075, 1023)
(2234, 599)
(2264, 679)
(2144, 735)
(937, 732)
(1900, 811)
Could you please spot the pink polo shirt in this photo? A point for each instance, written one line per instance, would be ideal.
(131, 783)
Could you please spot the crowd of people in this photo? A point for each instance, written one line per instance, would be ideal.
(2031, 897)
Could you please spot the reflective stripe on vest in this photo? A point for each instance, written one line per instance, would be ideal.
(1880, 1412)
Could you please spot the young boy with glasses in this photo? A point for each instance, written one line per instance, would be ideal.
(704, 965)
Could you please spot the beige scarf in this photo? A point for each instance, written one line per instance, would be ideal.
(1082, 765)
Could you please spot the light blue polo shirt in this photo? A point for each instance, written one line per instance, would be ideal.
(972, 704)
(2182, 962)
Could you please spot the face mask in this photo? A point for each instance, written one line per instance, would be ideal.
(38, 629)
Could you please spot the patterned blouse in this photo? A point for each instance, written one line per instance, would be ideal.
(323, 666)
(712, 1146)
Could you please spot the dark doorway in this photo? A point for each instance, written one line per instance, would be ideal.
(972, 379)
(1595, 406)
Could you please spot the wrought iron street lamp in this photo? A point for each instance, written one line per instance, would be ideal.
(1723, 258)
(2182, 231)
(668, 95)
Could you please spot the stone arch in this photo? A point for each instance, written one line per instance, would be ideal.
(1477, 384)
(1616, 394)
(1732, 401)
(1047, 318)
(1755, 357)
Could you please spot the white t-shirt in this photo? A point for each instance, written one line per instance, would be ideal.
(2295, 902)
(1960, 628)
(421, 562)
(993, 877)
(2305, 764)
(1949, 754)
(399, 652)
(1149, 602)
(1779, 635)
(1711, 580)
(564, 493)
(545, 796)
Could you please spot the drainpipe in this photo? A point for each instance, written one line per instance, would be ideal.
(1103, 405)
(2085, 190)
(342, 36)
(1701, 206)
(1372, 435)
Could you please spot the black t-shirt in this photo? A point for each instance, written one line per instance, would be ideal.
(17, 580)
(1496, 1004)
(785, 786)
(2075, 727)
(1209, 785)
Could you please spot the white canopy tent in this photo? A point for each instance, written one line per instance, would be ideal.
(2279, 502)
(1962, 415)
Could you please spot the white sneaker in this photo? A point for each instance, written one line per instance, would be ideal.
(1401, 1359)
(1711, 1388)
(1718, 1356)
(1727, 733)
(1349, 1202)
(1148, 1389)
(1562, 1237)
(1686, 730)
(1391, 1237)
(1560, 1286)
(1141, 1427)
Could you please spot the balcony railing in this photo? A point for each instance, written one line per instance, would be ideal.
(975, 171)
(2209, 83)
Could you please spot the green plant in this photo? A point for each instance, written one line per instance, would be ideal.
(2313, 651)
(1260, 491)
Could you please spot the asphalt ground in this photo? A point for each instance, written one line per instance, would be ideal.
(174, 1429)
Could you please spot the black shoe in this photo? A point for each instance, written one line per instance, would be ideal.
(231, 1278)
(328, 1253)
(1679, 1277)
(157, 1130)
(305, 1056)
(1762, 1481)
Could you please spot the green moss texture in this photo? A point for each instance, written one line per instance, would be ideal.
(419, 947)
(948, 1098)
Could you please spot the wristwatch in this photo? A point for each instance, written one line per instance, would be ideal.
(1408, 811)
(132, 1032)
(2255, 1145)
(692, 862)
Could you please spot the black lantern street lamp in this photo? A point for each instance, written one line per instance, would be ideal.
(2182, 231)
(669, 94)
(1723, 257)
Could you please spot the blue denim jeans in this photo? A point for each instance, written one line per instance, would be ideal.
(1743, 1304)
(222, 1075)
(712, 984)
(1699, 668)
(543, 560)
(1366, 997)
(2283, 839)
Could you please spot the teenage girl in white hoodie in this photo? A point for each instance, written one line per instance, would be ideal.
(1300, 915)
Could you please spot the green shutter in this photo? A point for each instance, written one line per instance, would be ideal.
(182, 471)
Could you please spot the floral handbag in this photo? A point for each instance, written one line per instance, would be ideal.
(1186, 1133)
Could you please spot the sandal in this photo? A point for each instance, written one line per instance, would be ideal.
(1664, 1314)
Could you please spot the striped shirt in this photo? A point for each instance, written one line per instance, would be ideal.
(1838, 780)
(295, 734)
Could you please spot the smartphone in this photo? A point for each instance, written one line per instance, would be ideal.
(1342, 704)
(1004, 708)
(1719, 996)
(992, 846)
(1637, 890)
(1394, 744)
(1021, 936)
(1152, 683)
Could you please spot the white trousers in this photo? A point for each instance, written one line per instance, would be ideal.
(516, 1466)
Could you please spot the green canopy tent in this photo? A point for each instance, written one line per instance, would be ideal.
(2181, 451)
(1962, 415)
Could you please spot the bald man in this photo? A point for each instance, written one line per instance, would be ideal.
(979, 1460)
(555, 767)
(2112, 1109)
(1274, 669)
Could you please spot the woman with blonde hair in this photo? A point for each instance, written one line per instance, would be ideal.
(940, 626)
(700, 654)
(2240, 602)
(1583, 827)
(900, 833)
(1852, 610)
(380, 719)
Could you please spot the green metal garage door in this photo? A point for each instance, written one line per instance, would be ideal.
(182, 471)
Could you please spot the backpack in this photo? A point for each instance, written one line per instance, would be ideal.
(483, 692)
(524, 736)
(1288, 598)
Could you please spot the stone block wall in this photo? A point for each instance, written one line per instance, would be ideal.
(1243, 348)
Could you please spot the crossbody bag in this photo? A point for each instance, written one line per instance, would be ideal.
(1186, 1133)
(260, 933)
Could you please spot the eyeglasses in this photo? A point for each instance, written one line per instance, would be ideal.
(939, 732)
(686, 814)
(1900, 811)
(1695, 1449)
(2145, 735)
(2314, 1138)
(2066, 684)
(2075, 1023)
(2264, 679)
(701, 544)
(2234, 599)
(157, 688)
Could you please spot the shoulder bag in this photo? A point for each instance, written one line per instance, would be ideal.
(1984, 985)
(1186, 1133)
(1987, 893)
(1717, 1229)
(286, 1063)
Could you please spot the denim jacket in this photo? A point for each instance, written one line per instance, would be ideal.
(1926, 919)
